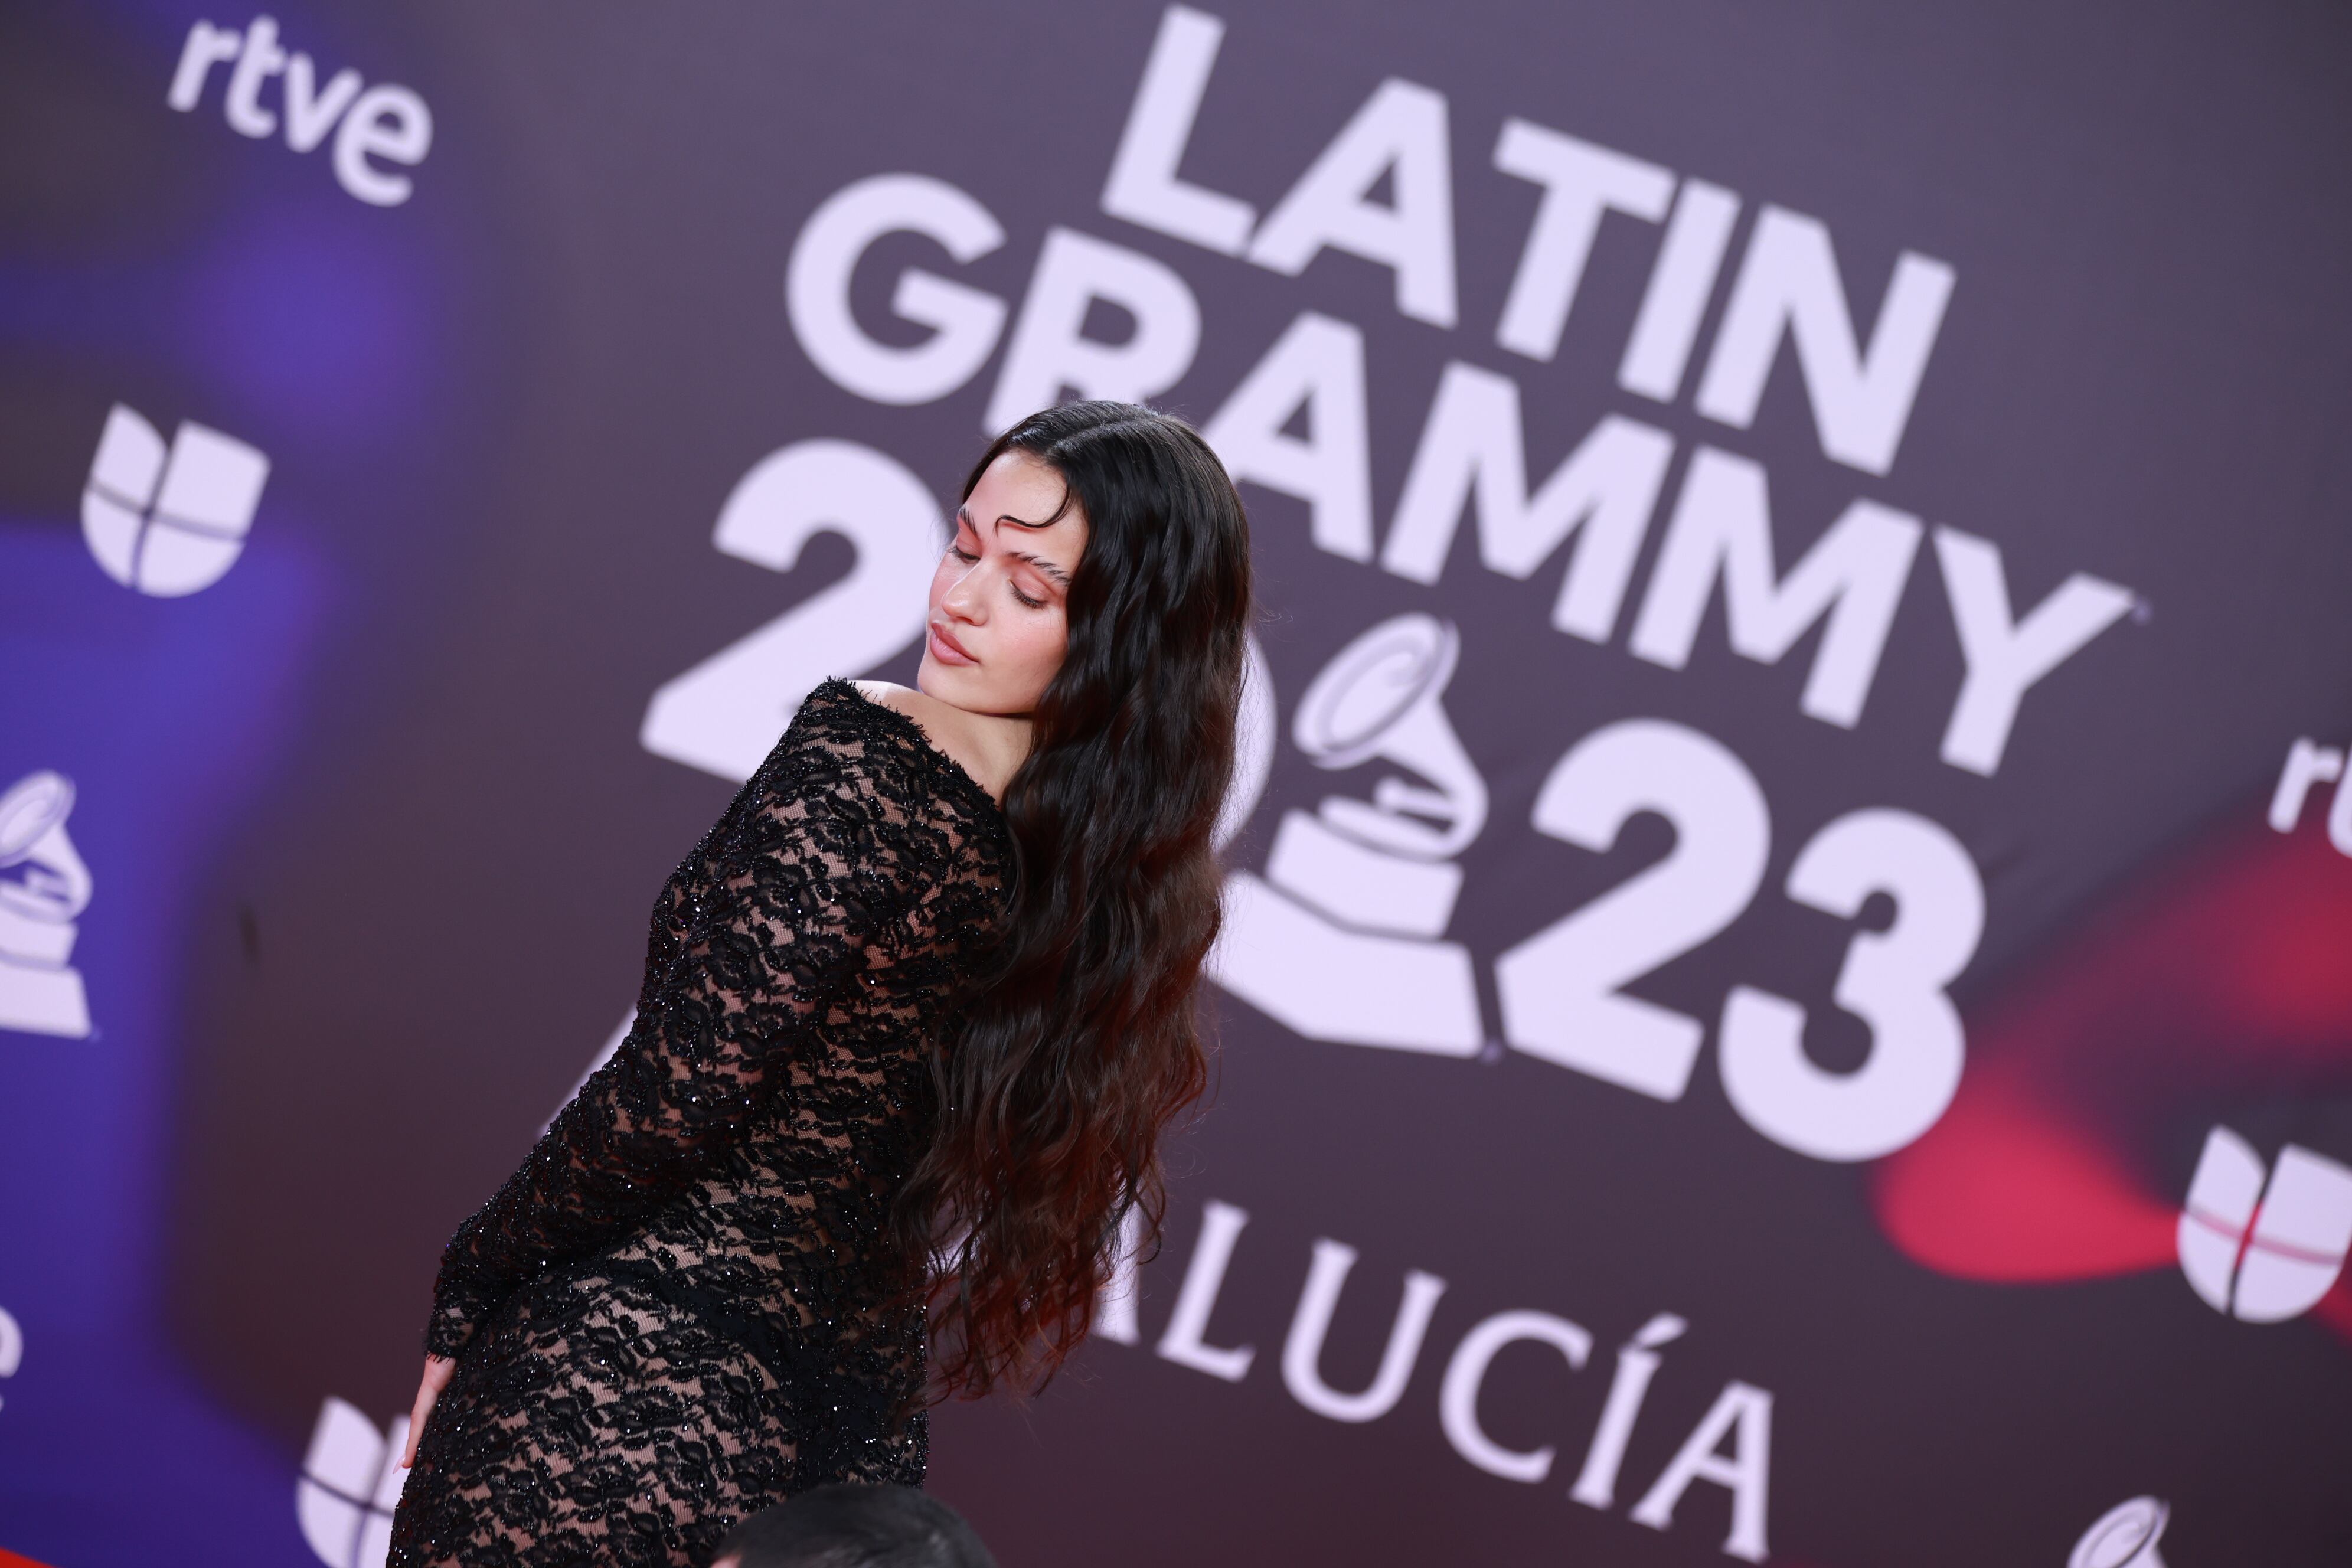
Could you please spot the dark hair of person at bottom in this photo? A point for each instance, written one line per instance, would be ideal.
(849, 1526)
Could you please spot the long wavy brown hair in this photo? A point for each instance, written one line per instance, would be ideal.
(1081, 1038)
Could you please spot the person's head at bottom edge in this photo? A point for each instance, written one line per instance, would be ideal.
(845, 1526)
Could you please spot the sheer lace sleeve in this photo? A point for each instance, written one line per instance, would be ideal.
(781, 906)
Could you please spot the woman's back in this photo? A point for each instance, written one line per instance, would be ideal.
(910, 882)
(697, 1248)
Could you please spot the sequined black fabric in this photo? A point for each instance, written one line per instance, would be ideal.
(679, 1310)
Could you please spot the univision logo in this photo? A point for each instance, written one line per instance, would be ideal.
(2264, 1245)
(351, 1483)
(168, 523)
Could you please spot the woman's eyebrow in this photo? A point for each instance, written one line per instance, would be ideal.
(1061, 578)
(963, 516)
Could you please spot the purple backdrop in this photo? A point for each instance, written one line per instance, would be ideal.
(1786, 989)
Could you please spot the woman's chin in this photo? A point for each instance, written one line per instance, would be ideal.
(952, 684)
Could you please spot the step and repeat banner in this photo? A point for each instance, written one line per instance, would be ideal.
(1787, 991)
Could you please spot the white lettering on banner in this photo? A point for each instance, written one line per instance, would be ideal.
(256, 62)
(1398, 135)
(2310, 764)
(1582, 183)
(1316, 368)
(1186, 1343)
(1050, 357)
(1741, 1413)
(1302, 1349)
(384, 123)
(1637, 1364)
(723, 716)
(1561, 989)
(1722, 530)
(1472, 446)
(2005, 656)
(1892, 980)
(1744, 1414)
(1789, 283)
(204, 48)
(1473, 451)
(1466, 1375)
(1472, 443)
(1143, 187)
(1665, 328)
(1342, 936)
(44, 887)
(965, 323)
(310, 114)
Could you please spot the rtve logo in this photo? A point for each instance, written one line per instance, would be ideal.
(382, 121)
(168, 523)
(2310, 764)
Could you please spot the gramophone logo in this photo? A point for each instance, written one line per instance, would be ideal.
(2123, 1537)
(169, 523)
(1343, 938)
(43, 887)
(12, 1344)
(351, 1483)
(2264, 1252)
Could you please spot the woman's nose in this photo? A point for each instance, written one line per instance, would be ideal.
(964, 601)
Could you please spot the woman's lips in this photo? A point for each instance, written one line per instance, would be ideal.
(944, 648)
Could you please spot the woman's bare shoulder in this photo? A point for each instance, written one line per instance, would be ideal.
(959, 735)
(929, 712)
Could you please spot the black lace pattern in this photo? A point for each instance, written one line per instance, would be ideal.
(680, 1310)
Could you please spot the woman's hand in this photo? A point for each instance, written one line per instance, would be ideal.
(437, 1369)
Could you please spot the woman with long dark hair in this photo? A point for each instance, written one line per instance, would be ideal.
(915, 1014)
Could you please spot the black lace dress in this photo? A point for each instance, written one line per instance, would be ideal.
(678, 1311)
